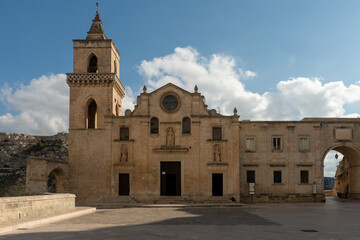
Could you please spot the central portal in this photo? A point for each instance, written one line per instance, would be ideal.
(170, 178)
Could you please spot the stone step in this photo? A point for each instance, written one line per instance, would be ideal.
(171, 200)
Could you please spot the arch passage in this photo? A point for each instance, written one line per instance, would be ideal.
(347, 186)
(57, 181)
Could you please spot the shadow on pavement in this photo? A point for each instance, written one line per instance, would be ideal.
(168, 228)
(218, 216)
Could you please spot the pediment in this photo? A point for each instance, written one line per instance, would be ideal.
(170, 99)
(169, 87)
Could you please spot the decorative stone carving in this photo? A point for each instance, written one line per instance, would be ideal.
(124, 153)
(95, 79)
(217, 153)
(196, 89)
(170, 137)
(144, 89)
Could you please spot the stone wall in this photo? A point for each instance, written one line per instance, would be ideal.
(17, 208)
(38, 171)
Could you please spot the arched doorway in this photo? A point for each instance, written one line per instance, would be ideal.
(57, 181)
(347, 173)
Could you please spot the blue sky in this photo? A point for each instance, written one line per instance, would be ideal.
(273, 60)
(275, 39)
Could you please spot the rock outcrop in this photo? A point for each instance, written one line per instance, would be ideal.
(16, 148)
(341, 186)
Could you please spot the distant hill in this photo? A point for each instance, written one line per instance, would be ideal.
(16, 148)
(329, 183)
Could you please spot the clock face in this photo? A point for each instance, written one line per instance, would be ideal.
(170, 102)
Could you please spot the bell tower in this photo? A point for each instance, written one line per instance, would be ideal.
(96, 94)
(95, 87)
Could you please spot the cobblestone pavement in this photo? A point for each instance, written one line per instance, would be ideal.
(335, 219)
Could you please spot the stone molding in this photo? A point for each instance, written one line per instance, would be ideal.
(304, 165)
(277, 165)
(217, 164)
(175, 148)
(98, 79)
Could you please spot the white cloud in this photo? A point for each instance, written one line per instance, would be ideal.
(351, 115)
(331, 163)
(42, 106)
(129, 100)
(220, 82)
(310, 97)
(247, 74)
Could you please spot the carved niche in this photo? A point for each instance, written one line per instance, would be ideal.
(170, 137)
(124, 155)
(217, 153)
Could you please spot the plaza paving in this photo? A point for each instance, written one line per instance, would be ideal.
(335, 219)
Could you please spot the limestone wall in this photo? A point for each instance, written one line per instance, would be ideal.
(17, 208)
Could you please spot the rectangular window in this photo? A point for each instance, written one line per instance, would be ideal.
(250, 176)
(250, 144)
(304, 176)
(276, 143)
(303, 143)
(124, 133)
(277, 176)
(216, 133)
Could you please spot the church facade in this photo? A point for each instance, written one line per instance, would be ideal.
(171, 147)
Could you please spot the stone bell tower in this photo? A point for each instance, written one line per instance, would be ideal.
(95, 86)
(96, 94)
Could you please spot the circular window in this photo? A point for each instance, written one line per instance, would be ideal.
(170, 102)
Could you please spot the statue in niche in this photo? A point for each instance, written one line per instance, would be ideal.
(217, 153)
(170, 137)
(124, 153)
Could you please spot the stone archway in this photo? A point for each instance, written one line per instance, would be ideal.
(350, 188)
(58, 181)
(38, 171)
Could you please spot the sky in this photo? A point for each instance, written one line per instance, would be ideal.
(272, 60)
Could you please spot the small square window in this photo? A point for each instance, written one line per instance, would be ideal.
(277, 176)
(124, 133)
(304, 176)
(303, 143)
(250, 176)
(216, 133)
(250, 144)
(276, 143)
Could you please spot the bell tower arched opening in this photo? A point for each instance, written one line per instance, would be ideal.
(93, 64)
(91, 120)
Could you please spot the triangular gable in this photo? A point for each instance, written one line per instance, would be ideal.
(170, 85)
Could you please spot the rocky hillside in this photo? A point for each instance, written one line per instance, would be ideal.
(16, 148)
